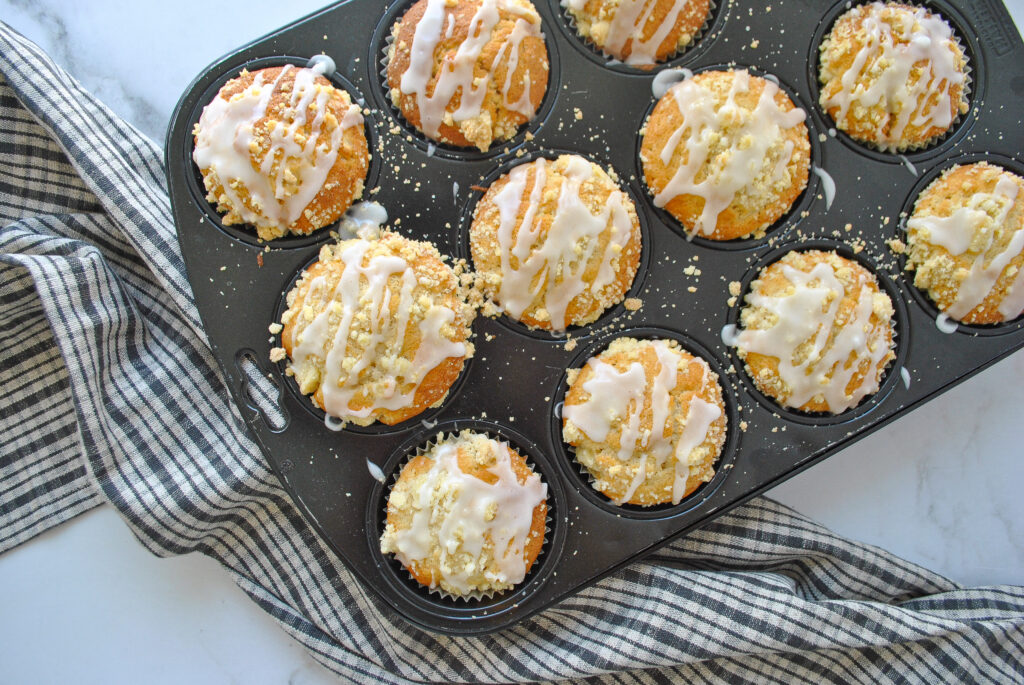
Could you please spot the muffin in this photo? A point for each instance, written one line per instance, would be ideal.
(647, 421)
(726, 153)
(467, 516)
(468, 72)
(817, 332)
(555, 243)
(639, 32)
(282, 150)
(966, 243)
(376, 330)
(893, 75)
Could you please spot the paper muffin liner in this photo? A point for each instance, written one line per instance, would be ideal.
(911, 148)
(246, 232)
(330, 422)
(430, 144)
(797, 209)
(476, 595)
(611, 60)
(609, 314)
(892, 367)
(591, 479)
(909, 271)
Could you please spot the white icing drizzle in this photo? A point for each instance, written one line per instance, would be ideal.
(945, 324)
(555, 262)
(364, 220)
(905, 375)
(702, 120)
(910, 165)
(619, 397)
(828, 185)
(808, 315)
(462, 525)
(972, 228)
(1013, 301)
(612, 392)
(698, 422)
(341, 380)
(523, 105)
(322, 64)
(627, 24)
(225, 142)
(456, 74)
(665, 79)
(375, 471)
(932, 44)
(729, 333)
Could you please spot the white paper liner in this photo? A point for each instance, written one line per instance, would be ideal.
(478, 595)
(626, 506)
(889, 368)
(892, 148)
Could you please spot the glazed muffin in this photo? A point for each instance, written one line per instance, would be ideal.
(966, 243)
(376, 330)
(282, 150)
(893, 75)
(726, 153)
(817, 332)
(468, 72)
(467, 516)
(639, 32)
(555, 243)
(646, 419)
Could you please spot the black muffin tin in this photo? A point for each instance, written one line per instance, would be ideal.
(513, 387)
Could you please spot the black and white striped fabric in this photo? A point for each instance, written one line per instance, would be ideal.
(108, 392)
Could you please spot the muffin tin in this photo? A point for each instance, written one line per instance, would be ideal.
(513, 387)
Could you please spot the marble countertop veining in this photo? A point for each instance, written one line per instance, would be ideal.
(939, 486)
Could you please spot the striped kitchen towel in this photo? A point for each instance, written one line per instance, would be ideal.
(109, 392)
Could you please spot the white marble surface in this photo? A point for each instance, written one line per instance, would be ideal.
(85, 603)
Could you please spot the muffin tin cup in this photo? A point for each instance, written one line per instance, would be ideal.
(242, 232)
(698, 44)
(610, 315)
(789, 218)
(583, 480)
(331, 423)
(890, 376)
(973, 88)
(920, 297)
(380, 48)
(513, 384)
(436, 599)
